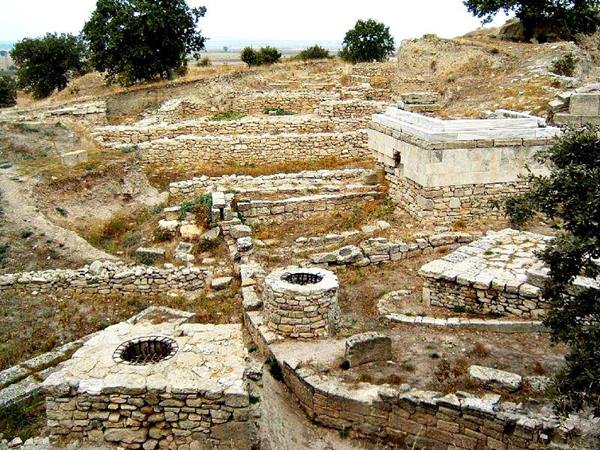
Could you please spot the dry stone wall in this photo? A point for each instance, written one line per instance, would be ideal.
(142, 132)
(257, 212)
(107, 278)
(255, 149)
(348, 109)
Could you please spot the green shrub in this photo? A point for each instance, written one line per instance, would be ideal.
(8, 91)
(314, 52)
(266, 55)
(565, 65)
(227, 116)
(204, 62)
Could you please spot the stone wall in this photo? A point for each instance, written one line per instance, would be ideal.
(257, 212)
(91, 112)
(255, 149)
(106, 278)
(368, 70)
(146, 419)
(348, 109)
(283, 183)
(133, 134)
(407, 417)
(441, 171)
(248, 103)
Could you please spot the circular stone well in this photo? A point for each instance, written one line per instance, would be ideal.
(144, 351)
(302, 303)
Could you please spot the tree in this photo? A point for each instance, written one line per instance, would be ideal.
(8, 91)
(47, 63)
(570, 195)
(543, 19)
(314, 52)
(367, 41)
(137, 40)
(266, 55)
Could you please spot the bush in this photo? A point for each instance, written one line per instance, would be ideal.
(204, 62)
(138, 40)
(266, 55)
(314, 52)
(368, 41)
(8, 91)
(565, 65)
(47, 63)
(570, 196)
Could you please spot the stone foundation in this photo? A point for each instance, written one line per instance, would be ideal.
(255, 149)
(302, 303)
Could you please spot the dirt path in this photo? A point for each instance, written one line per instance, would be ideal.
(21, 212)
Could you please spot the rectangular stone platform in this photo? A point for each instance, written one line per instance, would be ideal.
(444, 170)
(489, 275)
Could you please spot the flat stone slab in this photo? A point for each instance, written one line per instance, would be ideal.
(496, 379)
(209, 359)
(497, 261)
(368, 347)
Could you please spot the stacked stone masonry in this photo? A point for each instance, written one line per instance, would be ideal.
(143, 131)
(254, 149)
(107, 278)
(284, 183)
(257, 212)
(302, 303)
(199, 398)
(489, 275)
(408, 417)
(444, 171)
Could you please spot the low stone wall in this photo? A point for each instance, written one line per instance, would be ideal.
(134, 134)
(368, 70)
(255, 149)
(304, 181)
(107, 278)
(407, 417)
(280, 211)
(348, 109)
(91, 112)
(524, 302)
(247, 103)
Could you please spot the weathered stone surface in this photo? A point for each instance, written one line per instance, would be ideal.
(218, 284)
(496, 379)
(240, 231)
(368, 347)
(73, 158)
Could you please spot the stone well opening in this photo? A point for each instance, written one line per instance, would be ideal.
(302, 278)
(302, 303)
(144, 351)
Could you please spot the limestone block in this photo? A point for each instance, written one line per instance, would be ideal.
(218, 284)
(190, 231)
(368, 347)
(71, 159)
(496, 379)
(585, 104)
(239, 231)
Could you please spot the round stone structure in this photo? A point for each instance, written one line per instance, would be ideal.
(302, 303)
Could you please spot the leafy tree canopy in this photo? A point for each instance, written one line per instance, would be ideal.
(47, 63)
(314, 52)
(8, 91)
(137, 40)
(543, 19)
(266, 55)
(368, 41)
(570, 195)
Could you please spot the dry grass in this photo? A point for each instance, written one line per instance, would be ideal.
(31, 325)
(161, 176)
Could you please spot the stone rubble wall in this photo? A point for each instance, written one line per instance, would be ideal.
(349, 109)
(91, 112)
(254, 149)
(148, 420)
(109, 278)
(451, 295)
(368, 70)
(134, 134)
(247, 103)
(279, 183)
(409, 417)
(257, 212)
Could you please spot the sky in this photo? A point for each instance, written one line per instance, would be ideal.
(318, 20)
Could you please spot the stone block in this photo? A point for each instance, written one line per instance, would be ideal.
(368, 347)
(71, 159)
(585, 104)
